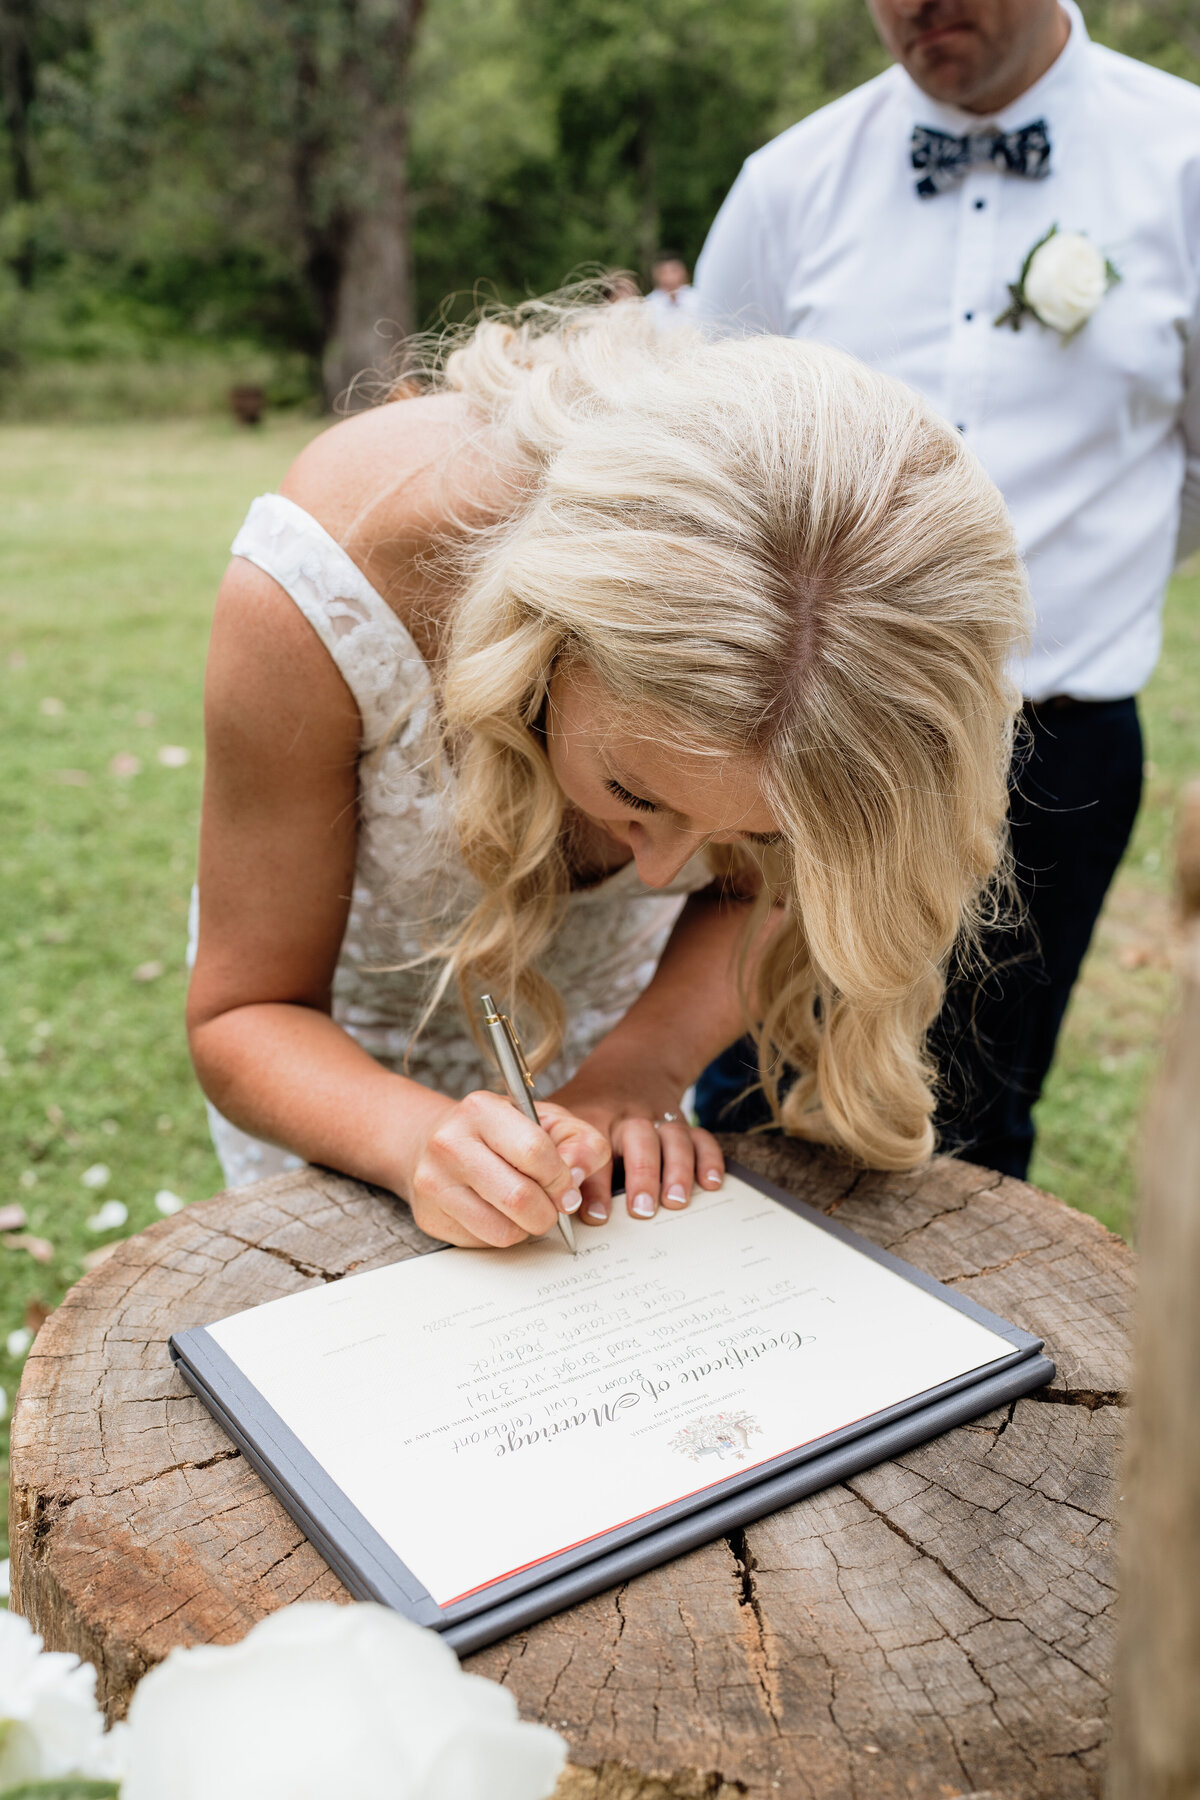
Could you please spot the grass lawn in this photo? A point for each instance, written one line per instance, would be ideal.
(111, 545)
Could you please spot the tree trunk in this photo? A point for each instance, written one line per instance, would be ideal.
(1157, 1749)
(372, 301)
(16, 100)
(649, 226)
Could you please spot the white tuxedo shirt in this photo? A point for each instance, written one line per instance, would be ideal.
(1094, 442)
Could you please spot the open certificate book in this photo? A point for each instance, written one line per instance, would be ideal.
(480, 1437)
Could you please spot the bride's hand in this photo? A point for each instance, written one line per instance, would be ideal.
(484, 1174)
(665, 1158)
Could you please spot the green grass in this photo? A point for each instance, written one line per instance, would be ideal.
(111, 546)
(112, 542)
(1089, 1116)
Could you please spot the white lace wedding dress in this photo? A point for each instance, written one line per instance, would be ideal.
(407, 871)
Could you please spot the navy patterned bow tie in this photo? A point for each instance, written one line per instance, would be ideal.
(946, 159)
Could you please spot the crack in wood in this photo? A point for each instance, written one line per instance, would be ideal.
(743, 1558)
(1091, 1398)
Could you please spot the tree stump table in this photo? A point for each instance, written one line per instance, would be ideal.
(937, 1626)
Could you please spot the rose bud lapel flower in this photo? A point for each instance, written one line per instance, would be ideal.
(322, 1701)
(1062, 282)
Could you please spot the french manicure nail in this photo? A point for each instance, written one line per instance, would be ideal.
(677, 1194)
(572, 1200)
(712, 1179)
(642, 1206)
(579, 1176)
(596, 1211)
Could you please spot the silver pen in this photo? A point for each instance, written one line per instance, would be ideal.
(510, 1059)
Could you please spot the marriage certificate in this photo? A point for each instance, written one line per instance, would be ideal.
(488, 1410)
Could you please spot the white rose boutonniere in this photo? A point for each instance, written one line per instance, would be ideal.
(1062, 282)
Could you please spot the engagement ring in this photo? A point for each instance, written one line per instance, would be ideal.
(668, 1119)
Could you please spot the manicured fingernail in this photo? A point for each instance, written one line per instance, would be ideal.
(596, 1211)
(572, 1200)
(713, 1178)
(677, 1195)
(642, 1206)
(579, 1176)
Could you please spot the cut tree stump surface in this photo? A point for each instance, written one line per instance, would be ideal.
(938, 1626)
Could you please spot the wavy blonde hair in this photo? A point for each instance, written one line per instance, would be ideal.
(767, 548)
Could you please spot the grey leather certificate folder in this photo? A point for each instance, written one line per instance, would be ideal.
(372, 1569)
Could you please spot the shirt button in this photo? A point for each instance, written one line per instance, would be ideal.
(979, 205)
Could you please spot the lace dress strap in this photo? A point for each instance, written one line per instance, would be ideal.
(375, 655)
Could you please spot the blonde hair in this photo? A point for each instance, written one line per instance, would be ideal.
(767, 548)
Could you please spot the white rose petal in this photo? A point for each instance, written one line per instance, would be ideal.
(168, 1203)
(50, 1725)
(111, 1214)
(97, 1176)
(1066, 280)
(322, 1700)
(17, 1342)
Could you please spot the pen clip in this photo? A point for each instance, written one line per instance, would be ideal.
(514, 1040)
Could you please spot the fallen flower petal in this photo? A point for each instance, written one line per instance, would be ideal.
(168, 1203)
(148, 971)
(41, 1249)
(111, 1215)
(17, 1342)
(97, 1176)
(173, 756)
(125, 764)
(13, 1217)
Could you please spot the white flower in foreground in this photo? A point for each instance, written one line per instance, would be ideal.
(1066, 280)
(50, 1725)
(321, 1700)
(112, 1214)
(97, 1176)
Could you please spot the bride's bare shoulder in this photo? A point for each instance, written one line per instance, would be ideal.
(388, 482)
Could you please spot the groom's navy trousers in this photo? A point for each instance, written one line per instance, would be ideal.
(1077, 781)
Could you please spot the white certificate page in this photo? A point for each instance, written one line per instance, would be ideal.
(487, 1409)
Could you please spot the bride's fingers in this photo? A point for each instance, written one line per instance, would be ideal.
(678, 1162)
(584, 1150)
(597, 1197)
(710, 1159)
(643, 1166)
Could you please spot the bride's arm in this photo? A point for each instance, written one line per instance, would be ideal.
(277, 853)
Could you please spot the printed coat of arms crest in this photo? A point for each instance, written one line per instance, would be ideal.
(723, 1435)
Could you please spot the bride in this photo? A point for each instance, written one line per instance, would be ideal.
(659, 685)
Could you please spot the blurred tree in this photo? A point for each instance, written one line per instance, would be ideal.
(242, 168)
(548, 135)
(246, 152)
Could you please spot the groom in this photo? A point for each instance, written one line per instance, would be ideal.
(898, 223)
